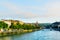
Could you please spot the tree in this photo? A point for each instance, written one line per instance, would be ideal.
(3, 24)
(12, 26)
(28, 26)
(16, 26)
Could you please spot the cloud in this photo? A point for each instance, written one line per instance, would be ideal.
(10, 6)
(46, 12)
(19, 11)
(53, 9)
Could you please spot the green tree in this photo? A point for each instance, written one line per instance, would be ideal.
(12, 26)
(16, 26)
(28, 26)
(3, 24)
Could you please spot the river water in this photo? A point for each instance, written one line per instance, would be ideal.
(45, 34)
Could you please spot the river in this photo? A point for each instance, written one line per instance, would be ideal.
(45, 34)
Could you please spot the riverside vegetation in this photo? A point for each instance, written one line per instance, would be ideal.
(11, 27)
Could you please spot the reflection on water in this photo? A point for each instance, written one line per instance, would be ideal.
(5, 38)
(45, 34)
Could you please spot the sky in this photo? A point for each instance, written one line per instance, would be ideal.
(43, 11)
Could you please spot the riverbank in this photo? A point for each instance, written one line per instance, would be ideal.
(16, 32)
(44, 34)
(14, 27)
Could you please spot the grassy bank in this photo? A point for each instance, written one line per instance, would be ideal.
(17, 32)
(13, 27)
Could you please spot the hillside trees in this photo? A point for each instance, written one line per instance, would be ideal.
(18, 26)
(3, 24)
